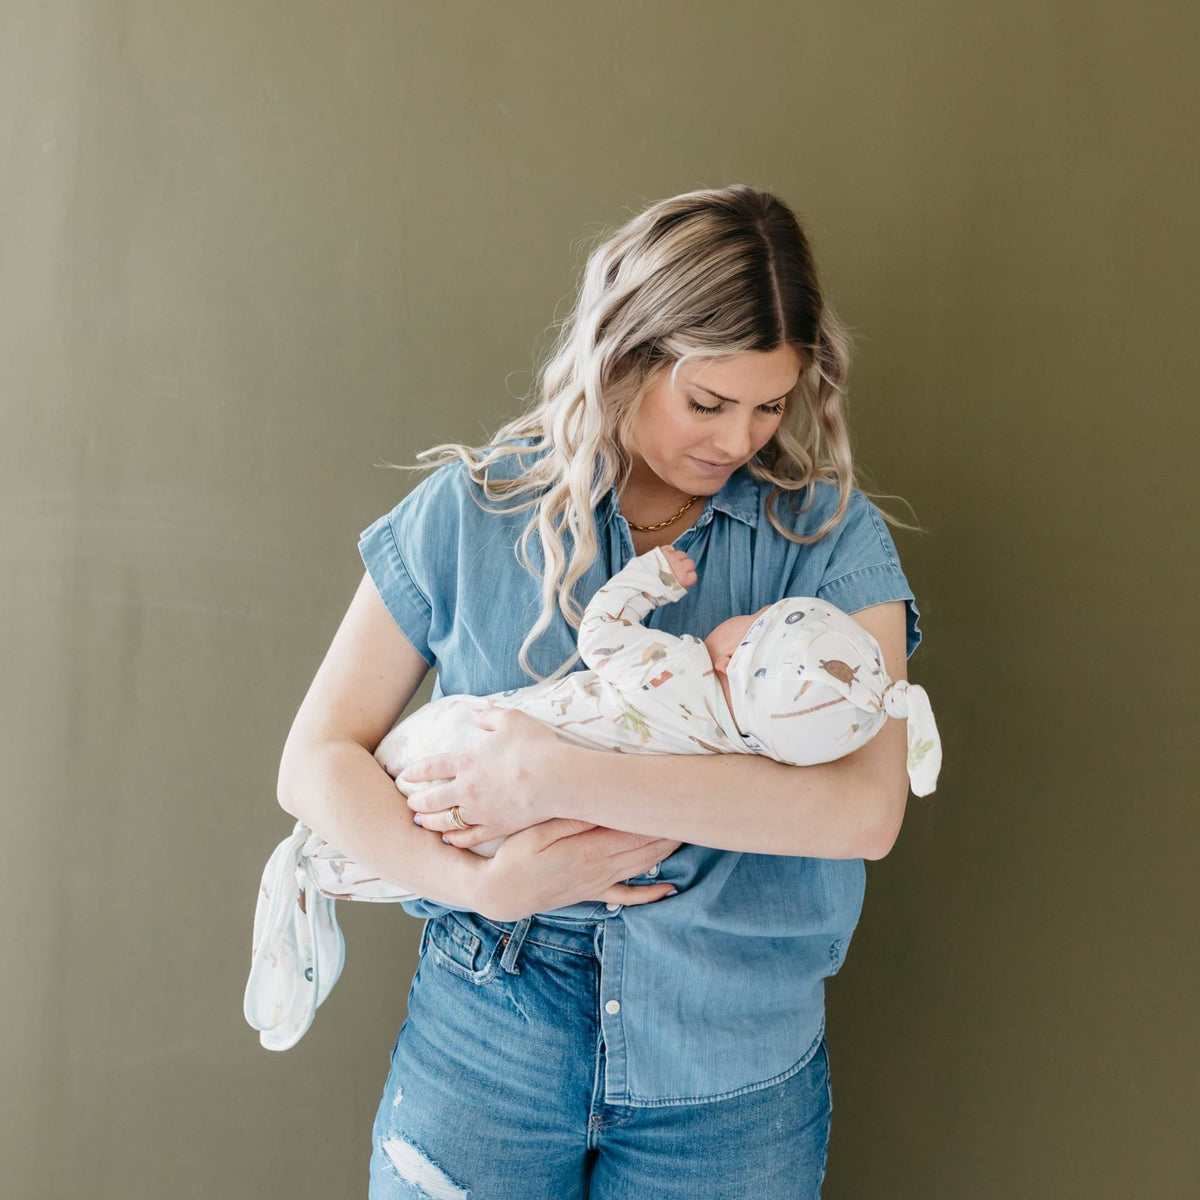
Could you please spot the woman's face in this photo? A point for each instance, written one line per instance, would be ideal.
(670, 435)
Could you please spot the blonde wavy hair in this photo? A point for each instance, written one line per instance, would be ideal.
(705, 274)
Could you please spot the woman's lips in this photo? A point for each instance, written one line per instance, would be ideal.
(708, 466)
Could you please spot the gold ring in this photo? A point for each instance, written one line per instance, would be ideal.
(456, 817)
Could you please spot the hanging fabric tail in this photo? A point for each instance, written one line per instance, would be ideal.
(297, 951)
(909, 700)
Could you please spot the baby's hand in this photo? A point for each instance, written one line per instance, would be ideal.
(684, 568)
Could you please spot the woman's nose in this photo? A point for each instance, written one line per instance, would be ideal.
(736, 445)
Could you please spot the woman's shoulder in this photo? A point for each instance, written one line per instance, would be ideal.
(855, 564)
(859, 539)
(521, 454)
(454, 476)
(804, 511)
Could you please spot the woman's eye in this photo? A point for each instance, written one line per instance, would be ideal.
(774, 409)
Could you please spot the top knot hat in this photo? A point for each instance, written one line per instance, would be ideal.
(808, 685)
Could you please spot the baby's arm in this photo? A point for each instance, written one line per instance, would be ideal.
(612, 639)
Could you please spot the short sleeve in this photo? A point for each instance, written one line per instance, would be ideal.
(864, 568)
(392, 569)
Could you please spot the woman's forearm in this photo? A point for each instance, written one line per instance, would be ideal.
(744, 802)
(339, 790)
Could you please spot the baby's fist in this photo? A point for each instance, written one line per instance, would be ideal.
(681, 564)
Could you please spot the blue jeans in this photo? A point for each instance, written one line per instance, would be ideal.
(496, 1089)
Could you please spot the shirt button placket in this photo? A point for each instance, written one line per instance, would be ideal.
(610, 945)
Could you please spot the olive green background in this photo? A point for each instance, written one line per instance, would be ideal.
(248, 251)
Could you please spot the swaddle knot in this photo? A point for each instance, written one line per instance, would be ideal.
(895, 698)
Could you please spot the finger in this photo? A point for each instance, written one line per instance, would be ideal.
(435, 766)
(620, 841)
(641, 858)
(624, 893)
(465, 838)
(557, 828)
(440, 821)
(428, 798)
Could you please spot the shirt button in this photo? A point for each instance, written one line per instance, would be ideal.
(613, 1006)
(612, 907)
(653, 870)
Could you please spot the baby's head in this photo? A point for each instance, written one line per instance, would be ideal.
(800, 646)
(806, 683)
(724, 640)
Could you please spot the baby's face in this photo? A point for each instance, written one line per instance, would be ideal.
(724, 640)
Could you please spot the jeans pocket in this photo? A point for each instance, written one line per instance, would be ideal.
(463, 948)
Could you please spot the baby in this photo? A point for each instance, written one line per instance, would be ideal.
(798, 680)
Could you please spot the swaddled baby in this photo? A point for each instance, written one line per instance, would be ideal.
(804, 683)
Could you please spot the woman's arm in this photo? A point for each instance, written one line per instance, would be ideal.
(850, 808)
(330, 779)
(339, 790)
(734, 801)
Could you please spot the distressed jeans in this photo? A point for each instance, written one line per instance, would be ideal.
(496, 1089)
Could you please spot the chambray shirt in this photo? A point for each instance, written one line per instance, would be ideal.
(720, 989)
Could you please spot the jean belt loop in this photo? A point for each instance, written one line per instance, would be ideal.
(512, 945)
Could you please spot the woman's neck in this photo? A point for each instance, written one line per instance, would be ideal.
(648, 500)
(646, 539)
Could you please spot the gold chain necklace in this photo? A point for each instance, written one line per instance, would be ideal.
(668, 521)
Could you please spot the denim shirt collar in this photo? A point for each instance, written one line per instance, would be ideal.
(738, 498)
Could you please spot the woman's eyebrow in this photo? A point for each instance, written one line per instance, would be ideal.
(731, 400)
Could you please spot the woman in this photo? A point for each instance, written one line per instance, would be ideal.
(574, 1028)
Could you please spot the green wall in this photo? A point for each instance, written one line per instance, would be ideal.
(249, 250)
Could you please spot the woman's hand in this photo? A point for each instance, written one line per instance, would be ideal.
(564, 861)
(514, 784)
(517, 775)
